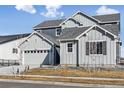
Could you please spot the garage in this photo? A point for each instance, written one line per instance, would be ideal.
(37, 57)
(37, 50)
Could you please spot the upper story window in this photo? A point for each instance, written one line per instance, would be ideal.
(14, 50)
(58, 31)
(70, 47)
(80, 24)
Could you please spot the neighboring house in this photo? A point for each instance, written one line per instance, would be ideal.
(9, 50)
(80, 40)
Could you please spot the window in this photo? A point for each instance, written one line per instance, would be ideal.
(99, 47)
(70, 47)
(80, 24)
(45, 51)
(41, 51)
(58, 31)
(34, 51)
(38, 51)
(31, 51)
(15, 50)
(96, 48)
(25, 51)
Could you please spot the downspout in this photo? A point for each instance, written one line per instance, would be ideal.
(77, 54)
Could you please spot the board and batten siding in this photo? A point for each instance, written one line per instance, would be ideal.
(84, 20)
(97, 59)
(69, 24)
(68, 58)
(81, 19)
(36, 42)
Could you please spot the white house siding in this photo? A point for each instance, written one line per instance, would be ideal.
(36, 42)
(84, 20)
(69, 24)
(94, 59)
(6, 50)
(68, 58)
(81, 19)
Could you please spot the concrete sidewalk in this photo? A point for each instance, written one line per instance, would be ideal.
(63, 84)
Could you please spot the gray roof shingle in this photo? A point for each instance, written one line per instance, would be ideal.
(8, 38)
(72, 33)
(56, 23)
(49, 23)
(108, 17)
(52, 39)
(114, 28)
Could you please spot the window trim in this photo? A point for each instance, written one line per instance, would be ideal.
(96, 41)
(70, 47)
(58, 29)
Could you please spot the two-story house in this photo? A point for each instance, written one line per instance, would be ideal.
(79, 40)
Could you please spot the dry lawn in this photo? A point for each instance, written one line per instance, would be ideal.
(76, 73)
(103, 82)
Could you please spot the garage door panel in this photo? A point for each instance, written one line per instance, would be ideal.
(42, 57)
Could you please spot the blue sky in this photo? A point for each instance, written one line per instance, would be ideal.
(21, 19)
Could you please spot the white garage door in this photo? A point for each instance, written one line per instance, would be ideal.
(37, 57)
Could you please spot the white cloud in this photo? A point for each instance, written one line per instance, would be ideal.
(52, 11)
(122, 51)
(26, 8)
(105, 10)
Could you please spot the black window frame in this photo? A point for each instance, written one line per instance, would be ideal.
(45, 51)
(96, 47)
(70, 47)
(15, 51)
(58, 31)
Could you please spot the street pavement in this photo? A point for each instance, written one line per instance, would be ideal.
(4, 84)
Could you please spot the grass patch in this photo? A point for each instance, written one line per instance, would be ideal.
(76, 73)
(71, 73)
(86, 81)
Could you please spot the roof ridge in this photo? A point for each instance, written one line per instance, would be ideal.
(106, 14)
(54, 19)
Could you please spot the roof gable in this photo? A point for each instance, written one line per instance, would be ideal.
(43, 35)
(98, 19)
(82, 13)
(96, 26)
(76, 32)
